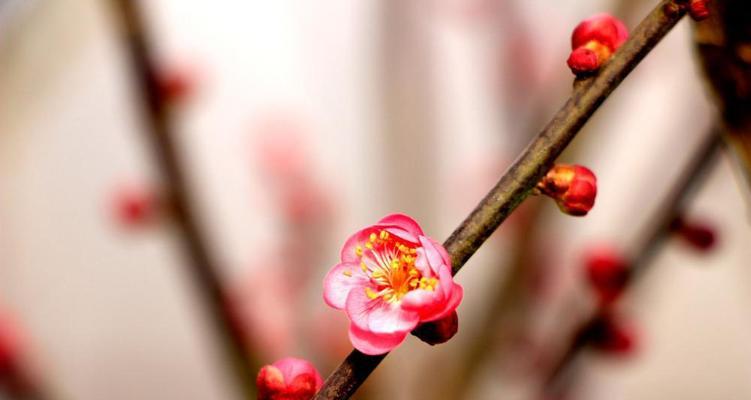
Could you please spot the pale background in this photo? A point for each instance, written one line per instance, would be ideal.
(398, 117)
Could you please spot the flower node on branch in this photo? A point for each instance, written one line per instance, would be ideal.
(594, 41)
(288, 379)
(390, 279)
(573, 187)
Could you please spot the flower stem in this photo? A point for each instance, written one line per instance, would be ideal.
(655, 236)
(160, 133)
(520, 179)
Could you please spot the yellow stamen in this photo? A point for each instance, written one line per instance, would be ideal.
(347, 273)
(372, 237)
(358, 251)
(370, 293)
(384, 235)
(363, 267)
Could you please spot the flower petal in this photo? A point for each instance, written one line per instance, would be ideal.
(404, 222)
(347, 254)
(427, 303)
(457, 292)
(291, 368)
(339, 281)
(435, 257)
(377, 315)
(374, 343)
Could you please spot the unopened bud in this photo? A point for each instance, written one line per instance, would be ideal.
(594, 41)
(288, 379)
(699, 9)
(611, 335)
(440, 331)
(701, 236)
(573, 187)
(134, 206)
(607, 272)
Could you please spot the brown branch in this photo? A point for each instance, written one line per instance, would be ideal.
(517, 182)
(654, 238)
(725, 54)
(160, 133)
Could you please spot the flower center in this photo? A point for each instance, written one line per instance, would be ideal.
(390, 265)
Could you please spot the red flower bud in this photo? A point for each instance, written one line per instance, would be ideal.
(607, 272)
(134, 206)
(573, 187)
(701, 236)
(610, 334)
(594, 41)
(288, 379)
(440, 331)
(699, 9)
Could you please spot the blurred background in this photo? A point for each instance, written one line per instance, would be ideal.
(299, 122)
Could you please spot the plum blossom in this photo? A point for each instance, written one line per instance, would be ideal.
(288, 379)
(390, 279)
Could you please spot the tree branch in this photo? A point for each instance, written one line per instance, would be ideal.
(655, 237)
(517, 182)
(160, 133)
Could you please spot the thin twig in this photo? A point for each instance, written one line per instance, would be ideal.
(723, 45)
(161, 135)
(517, 182)
(656, 235)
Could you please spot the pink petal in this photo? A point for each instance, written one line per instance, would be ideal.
(400, 233)
(457, 292)
(347, 254)
(337, 285)
(404, 222)
(427, 303)
(291, 368)
(378, 316)
(433, 255)
(372, 343)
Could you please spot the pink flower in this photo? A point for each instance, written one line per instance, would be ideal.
(391, 278)
(288, 379)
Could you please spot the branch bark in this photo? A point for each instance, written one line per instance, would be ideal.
(517, 182)
(160, 134)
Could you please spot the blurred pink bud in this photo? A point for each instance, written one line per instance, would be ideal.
(288, 379)
(611, 335)
(573, 187)
(440, 331)
(178, 83)
(607, 272)
(134, 206)
(699, 235)
(594, 41)
(391, 278)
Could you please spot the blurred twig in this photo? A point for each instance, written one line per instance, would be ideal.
(654, 237)
(724, 45)
(161, 135)
(517, 182)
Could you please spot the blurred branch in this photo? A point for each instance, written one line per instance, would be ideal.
(724, 45)
(161, 135)
(518, 181)
(654, 238)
